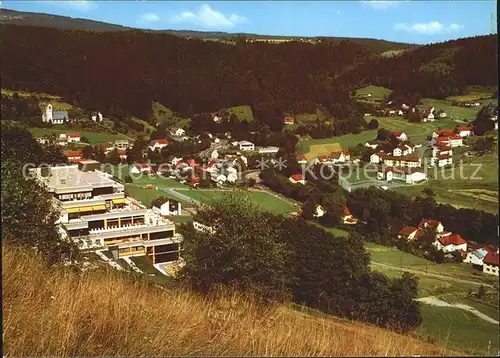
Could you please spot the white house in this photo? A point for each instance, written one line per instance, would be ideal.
(400, 135)
(214, 154)
(442, 160)
(450, 243)
(216, 140)
(436, 225)
(371, 144)
(377, 157)
(402, 150)
(158, 144)
(348, 219)
(384, 173)
(171, 207)
(215, 118)
(268, 150)
(176, 160)
(73, 137)
(442, 150)
(97, 117)
(220, 179)
(409, 233)
(141, 168)
(464, 131)
(246, 145)
(179, 132)
(297, 179)
(319, 211)
(43, 140)
(476, 257)
(408, 175)
(54, 117)
(490, 263)
(301, 159)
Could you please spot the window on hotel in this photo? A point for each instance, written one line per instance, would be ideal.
(161, 235)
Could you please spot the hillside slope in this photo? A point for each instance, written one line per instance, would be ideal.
(12, 17)
(57, 312)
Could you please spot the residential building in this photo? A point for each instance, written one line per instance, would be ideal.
(297, 179)
(348, 219)
(158, 144)
(441, 150)
(402, 150)
(179, 132)
(96, 214)
(122, 144)
(141, 168)
(319, 211)
(428, 115)
(215, 118)
(464, 131)
(400, 135)
(442, 160)
(371, 144)
(435, 225)
(409, 161)
(476, 257)
(170, 207)
(73, 137)
(214, 154)
(54, 117)
(409, 233)
(408, 175)
(301, 159)
(96, 117)
(269, 150)
(74, 156)
(246, 145)
(378, 157)
(288, 120)
(490, 263)
(450, 243)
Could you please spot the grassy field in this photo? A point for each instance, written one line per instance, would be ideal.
(336, 232)
(457, 329)
(416, 132)
(395, 257)
(146, 196)
(462, 186)
(454, 112)
(320, 113)
(243, 112)
(163, 114)
(93, 137)
(266, 201)
(377, 93)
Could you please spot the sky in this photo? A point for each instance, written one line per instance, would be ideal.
(419, 22)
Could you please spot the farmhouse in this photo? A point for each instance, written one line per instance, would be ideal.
(400, 135)
(54, 117)
(288, 120)
(246, 145)
(297, 179)
(450, 243)
(409, 233)
(490, 263)
(348, 219)
(464, 131)
(158, 144)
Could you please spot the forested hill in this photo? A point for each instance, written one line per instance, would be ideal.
(437, 70)
(12, 17)
(122, 72)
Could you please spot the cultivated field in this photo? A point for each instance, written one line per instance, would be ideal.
(321, 149)
(377, 93)
(93, 137)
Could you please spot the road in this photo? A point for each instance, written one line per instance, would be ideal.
(434, 301)
(430, 274)
(206, 153)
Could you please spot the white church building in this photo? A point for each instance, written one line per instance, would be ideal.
(54, 117)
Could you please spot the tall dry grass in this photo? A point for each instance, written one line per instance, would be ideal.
(57, 312)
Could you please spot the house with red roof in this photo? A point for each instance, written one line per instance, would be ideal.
(450, 243)
(441, 150)
(490, 263)
(73, 137)
(74, 156)
(402, 149)
(348, 219)
(464, 131)
(378, 157)
(215, 118)
(194, 180)
(443, 133)
(288, 120)
(400, 135)
(453, 141)
(297, 179)
(442, 160)
(410, 161)
(409, 233)
(436, 225)
(158, 144)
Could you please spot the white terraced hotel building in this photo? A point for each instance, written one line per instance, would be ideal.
(96, 214)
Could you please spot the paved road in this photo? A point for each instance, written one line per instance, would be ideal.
(434, 301)
(430, 274)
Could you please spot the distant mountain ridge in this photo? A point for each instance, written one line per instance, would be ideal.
(12, 17)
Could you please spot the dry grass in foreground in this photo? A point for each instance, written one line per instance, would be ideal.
(57, 312)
